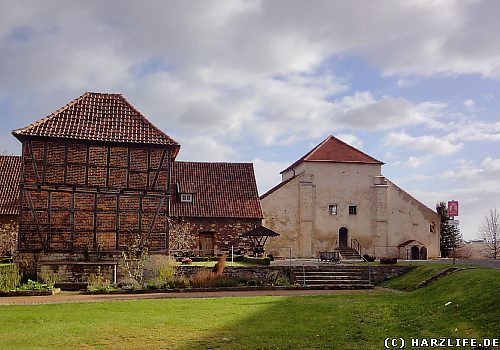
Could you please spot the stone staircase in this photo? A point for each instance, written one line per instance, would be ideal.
(348, 253)
(332, 277)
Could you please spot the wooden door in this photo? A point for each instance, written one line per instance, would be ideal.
(343, 237)
(206, 243)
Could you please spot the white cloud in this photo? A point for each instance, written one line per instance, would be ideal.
(351, 139)
(205, 149)
(431, 145)
(268, 173)
(491, 164)
(469, 103)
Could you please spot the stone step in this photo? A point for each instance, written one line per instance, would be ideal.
(339, 286)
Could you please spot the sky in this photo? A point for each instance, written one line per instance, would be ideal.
(414, 84)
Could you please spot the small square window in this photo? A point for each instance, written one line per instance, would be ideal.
(352, 210)
(332, 209)
(186, 198)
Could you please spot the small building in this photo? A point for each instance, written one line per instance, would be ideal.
(335, 197)
(218, 202)
(9, 204)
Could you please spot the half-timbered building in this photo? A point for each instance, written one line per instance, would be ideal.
(97, 177)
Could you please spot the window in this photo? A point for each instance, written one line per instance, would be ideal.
(186, 197)
(352, 210)
(332, 209)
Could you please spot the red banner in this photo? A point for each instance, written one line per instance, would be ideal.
(452, 208)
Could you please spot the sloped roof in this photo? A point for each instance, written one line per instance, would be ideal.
(10, 175)
(261, 231)
(278, 186)
(219, 190)
(98, 117)
(336, 151)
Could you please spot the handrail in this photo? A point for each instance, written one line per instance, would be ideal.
(355, 245)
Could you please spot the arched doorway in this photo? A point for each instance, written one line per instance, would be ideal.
(423, 253)
(343, 237)
(415, 253)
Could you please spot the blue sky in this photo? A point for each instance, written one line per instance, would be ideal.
(415, 84)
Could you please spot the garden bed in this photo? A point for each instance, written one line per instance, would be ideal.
(29, 293)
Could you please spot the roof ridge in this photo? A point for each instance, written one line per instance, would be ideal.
(50, 116)
(146, 118)
(102, 117)
(350, 146)
(308, 155)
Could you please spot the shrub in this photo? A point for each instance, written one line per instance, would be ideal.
(369, 258)
(49, 277)
(9, 277)
(34, 285)
(202, 279)
(218, 269)
(388, 261)
(223, 281)
(97, 283)
(277, 279)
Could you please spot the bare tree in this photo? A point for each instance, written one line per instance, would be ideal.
(489, 231)
(182, 240)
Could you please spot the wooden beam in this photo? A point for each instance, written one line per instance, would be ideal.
(128, 168)
(72, 219)
(65, 163)
(108, 159)
(35, 219)
(148, 167)
(158, 170)
(87, 164)
(44, 160)
(49, 218)
(33, 161)
(94, 238)
(117, 223)
(152, 224)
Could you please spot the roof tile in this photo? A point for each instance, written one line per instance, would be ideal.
(98, 117)
(10, 175)
(336, 151)
(220, 190)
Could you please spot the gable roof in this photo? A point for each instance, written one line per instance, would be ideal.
(219, 190)
(98, 117)
(10, 175)
(336, 151)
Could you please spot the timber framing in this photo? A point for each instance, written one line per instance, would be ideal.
(105, 194)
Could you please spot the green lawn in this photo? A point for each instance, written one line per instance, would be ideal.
(357, 321)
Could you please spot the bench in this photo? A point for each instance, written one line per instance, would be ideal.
(332, 257)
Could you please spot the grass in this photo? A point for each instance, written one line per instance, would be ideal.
(409, 281)
(349, 321)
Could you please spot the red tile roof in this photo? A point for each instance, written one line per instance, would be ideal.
(219, 190)
(336, 151)
(10, 175)
(98, 117)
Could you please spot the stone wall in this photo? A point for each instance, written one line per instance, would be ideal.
(381, 273)
(9, 229)
(226, 233)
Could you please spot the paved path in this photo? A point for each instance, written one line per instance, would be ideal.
(75, 297)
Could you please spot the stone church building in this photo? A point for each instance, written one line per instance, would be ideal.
(336, 197)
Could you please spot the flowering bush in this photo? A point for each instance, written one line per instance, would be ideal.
(186, 261)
